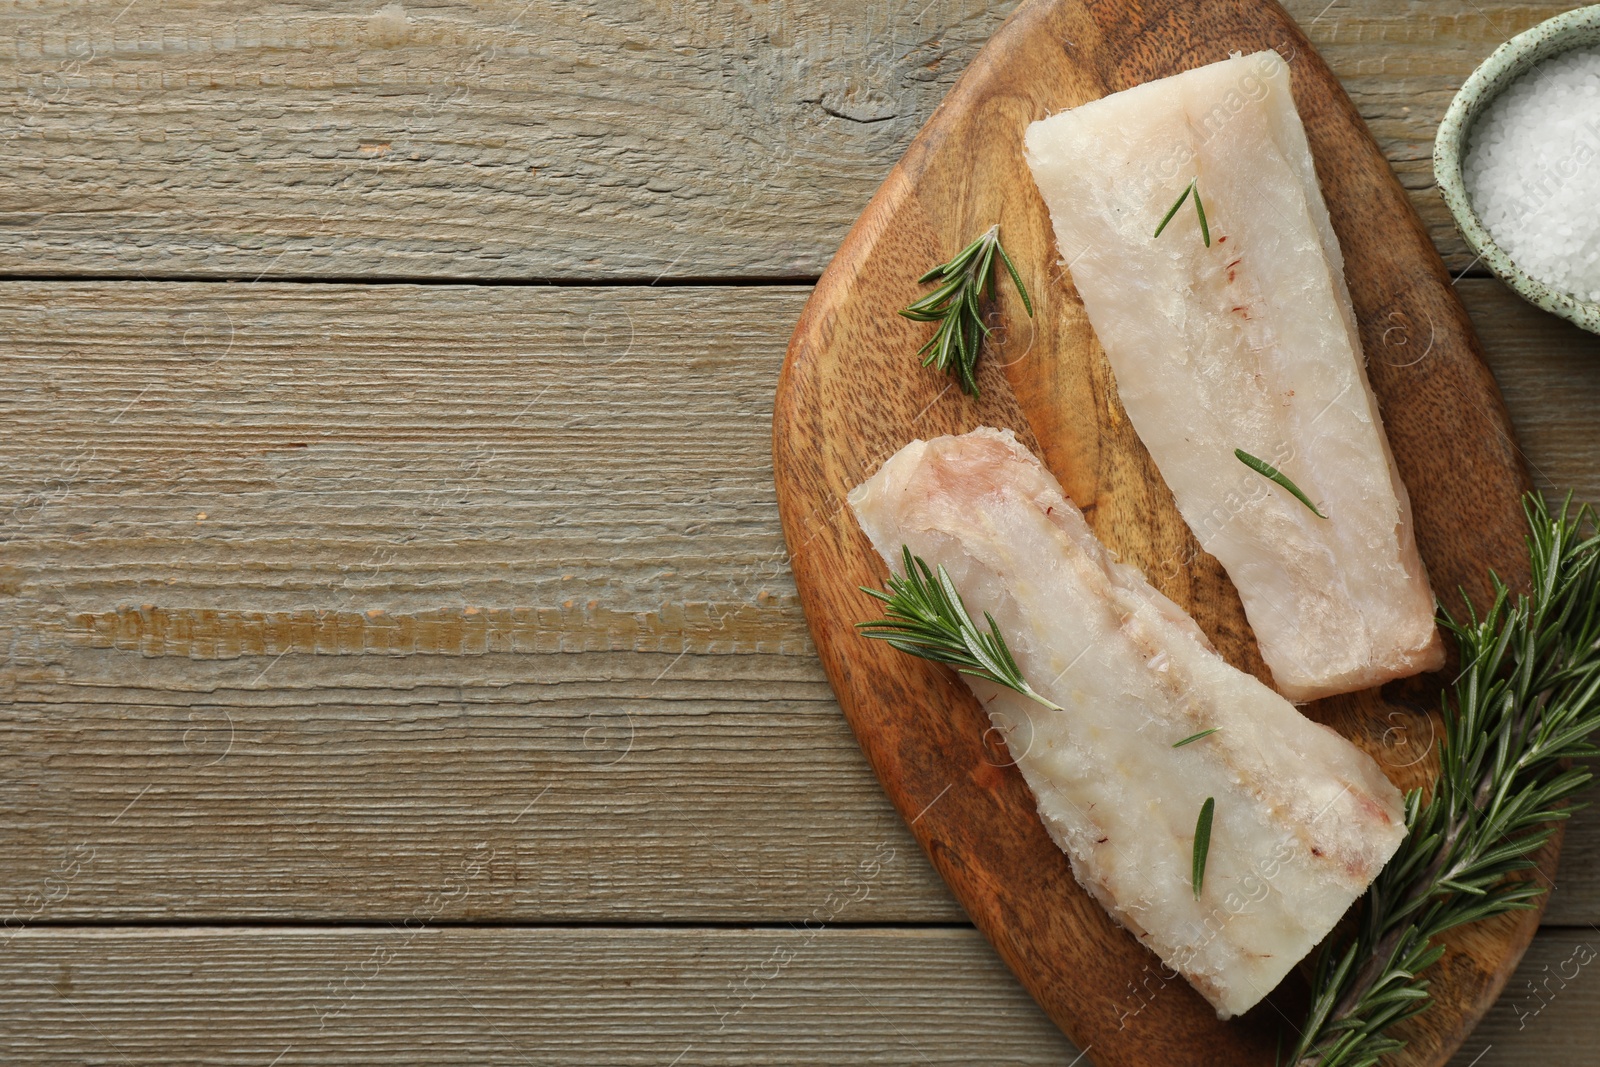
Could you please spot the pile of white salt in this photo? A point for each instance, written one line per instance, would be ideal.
(1531, 172)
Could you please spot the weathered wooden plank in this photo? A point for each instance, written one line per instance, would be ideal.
(1549, 374)
(591, 806)
(331, 583)
(516, 997)
(313, 590)
(505, 139)
(1547, 1014)
(451, 995)
(501, 139)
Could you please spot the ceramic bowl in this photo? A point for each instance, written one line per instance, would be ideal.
(1576, 29)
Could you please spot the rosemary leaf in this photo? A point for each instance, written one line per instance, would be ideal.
(1016, 279)
(1202, 843)
(1173, 210)
(1192, 189)
(926, 618)
(1192, 738)
(1516, 721)
(1268, 471)
(956, 305)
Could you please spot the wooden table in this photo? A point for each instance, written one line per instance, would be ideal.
(401, 663)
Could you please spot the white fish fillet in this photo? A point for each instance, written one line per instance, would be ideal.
(1248, 344)
(1303, 819)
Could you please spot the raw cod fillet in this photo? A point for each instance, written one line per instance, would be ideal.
(1248, 344)
(1304, 820)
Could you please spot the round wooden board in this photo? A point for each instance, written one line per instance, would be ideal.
(851, 394)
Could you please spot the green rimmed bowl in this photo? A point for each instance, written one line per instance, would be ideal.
(1579, 28)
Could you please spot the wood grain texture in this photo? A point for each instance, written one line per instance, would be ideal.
(644, 998)
(1546, 1014)
(308, 590)
(504, 139)
(338, 781)
(1549, 374)
(238, 997)
(921, 730)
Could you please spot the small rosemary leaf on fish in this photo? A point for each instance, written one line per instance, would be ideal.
(1271, 473)
(1192, 189)
(1192, 738)
(1202, 842)
(1173, 210)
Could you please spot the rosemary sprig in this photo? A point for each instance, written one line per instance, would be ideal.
(1520, 712)
(1192, 738)
(927, 618)
(1192, 189)
(963, 282)
(1267, 470)
(1202, 843)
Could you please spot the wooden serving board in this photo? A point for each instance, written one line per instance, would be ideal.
(851, 394)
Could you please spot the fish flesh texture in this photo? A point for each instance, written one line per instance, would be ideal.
(1303, 819)
(1249, 344)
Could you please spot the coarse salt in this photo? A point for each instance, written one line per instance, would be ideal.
(1531, 173)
